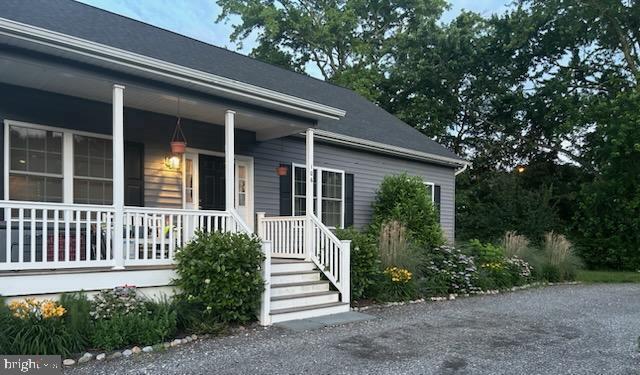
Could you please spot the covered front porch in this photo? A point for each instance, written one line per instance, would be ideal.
(90, 179)
(94, 197)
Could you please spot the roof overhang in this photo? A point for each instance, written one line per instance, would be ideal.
(62, 45)
(377, 147)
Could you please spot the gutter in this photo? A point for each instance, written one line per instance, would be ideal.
(464, 168)
(383, 148)
(123, 58)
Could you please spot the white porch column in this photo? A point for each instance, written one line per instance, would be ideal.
(118, 176)
(264, 316)
(309, 195)
(229, 162)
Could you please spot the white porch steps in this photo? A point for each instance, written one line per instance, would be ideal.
(297, 292)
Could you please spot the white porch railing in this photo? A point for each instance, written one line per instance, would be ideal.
(152, 235)
(54, 236)
(49, 235)
(332, 256)
(288, 238)
(286, 234)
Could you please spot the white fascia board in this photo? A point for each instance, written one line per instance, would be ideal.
(365, 144)
(147, 64)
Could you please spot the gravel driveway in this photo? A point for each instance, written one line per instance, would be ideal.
(577, 329)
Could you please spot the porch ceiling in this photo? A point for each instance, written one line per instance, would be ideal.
(68, 80)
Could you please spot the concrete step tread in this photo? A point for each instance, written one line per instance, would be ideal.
(288, 261)
(304, 295)
(309, 307)
(303, 283)
(293, 273)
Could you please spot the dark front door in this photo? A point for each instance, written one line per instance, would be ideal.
(211, 171)
(133, 174)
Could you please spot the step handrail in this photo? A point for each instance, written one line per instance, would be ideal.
(332, 256)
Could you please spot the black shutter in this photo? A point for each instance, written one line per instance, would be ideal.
(134, 174)
(436, 199)
(348, 200)
(285, 192)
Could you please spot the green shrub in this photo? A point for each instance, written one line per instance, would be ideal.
(485, 253)
(405, 199)
(495, 269)
(78, 319)
(498, 273)
(122, 318)
(365, 263)
(192, 319)
(219, 276)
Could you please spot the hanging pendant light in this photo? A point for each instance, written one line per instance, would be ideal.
(282, 169)
(178, 141)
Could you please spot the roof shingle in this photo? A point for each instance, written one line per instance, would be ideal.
(363, 119)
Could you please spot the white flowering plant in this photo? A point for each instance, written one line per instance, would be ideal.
(121, 317)
(520, 269)
(122, 300)
(448, 270)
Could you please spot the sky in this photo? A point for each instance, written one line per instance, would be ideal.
(196, 18)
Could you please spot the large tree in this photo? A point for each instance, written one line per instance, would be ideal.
(348, 42)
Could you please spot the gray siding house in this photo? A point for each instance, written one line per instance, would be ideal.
(94, 196)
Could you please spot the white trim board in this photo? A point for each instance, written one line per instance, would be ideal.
(163, 68)
(365, 144)
(50, 283)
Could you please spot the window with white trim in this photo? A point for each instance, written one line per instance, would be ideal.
(35, 164)
(430, 192)
(38, 159)
(330, 188)
(92, 170)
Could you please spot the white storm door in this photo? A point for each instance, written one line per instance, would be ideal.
(190, 181)
(244, 190)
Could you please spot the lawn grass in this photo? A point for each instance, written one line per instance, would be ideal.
(608, 277)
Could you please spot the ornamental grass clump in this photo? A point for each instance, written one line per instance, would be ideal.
(560, 261)
(515, 245)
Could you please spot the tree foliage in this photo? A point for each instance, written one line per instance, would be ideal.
(545, 84)
(348, 42)
(607, 222)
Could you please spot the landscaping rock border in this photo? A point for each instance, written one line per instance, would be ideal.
(133, 351)
(453, 296)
